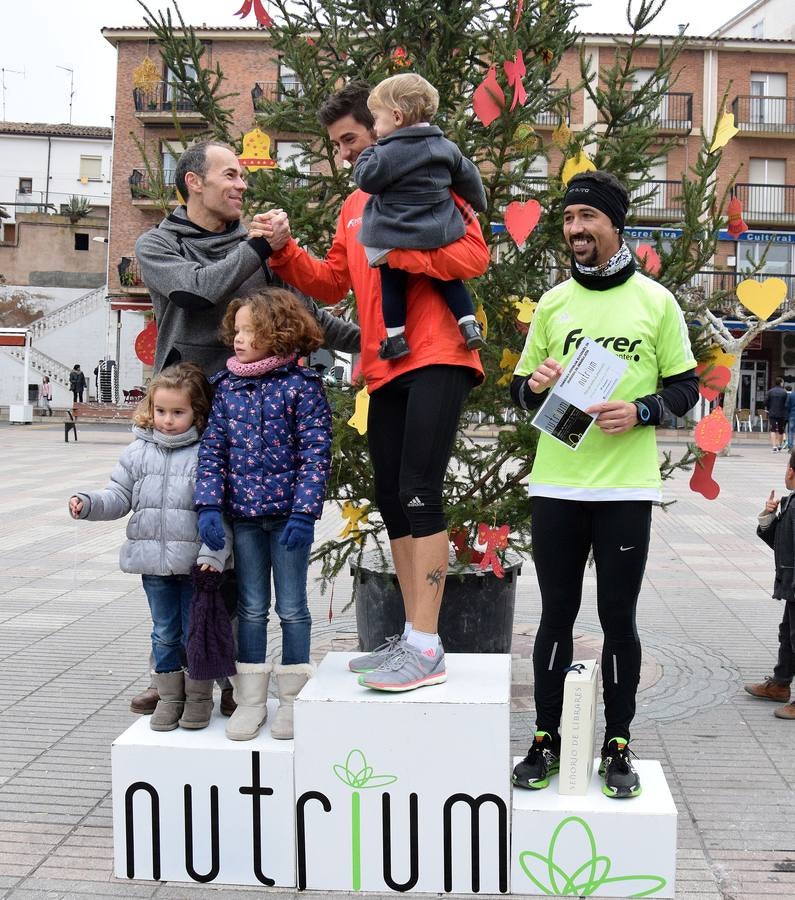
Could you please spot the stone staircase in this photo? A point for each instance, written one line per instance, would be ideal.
(45, 365)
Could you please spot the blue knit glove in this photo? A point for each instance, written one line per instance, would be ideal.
(211, 528)
(299, 532)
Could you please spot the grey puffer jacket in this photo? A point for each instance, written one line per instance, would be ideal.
(155, 478)
(193, 274)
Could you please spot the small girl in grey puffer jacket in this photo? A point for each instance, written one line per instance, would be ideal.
(155, 478)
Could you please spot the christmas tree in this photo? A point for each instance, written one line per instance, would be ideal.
(505, 61)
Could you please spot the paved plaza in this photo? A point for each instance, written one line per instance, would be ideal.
(74, 637)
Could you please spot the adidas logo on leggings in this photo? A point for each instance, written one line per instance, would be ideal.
(415, 501)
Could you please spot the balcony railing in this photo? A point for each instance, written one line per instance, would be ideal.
(551, 118)
(658, 200)
(713, 282)
(130, 275)
(675, 112)
(163, 97)
(770, 204)
(275, 90)
(142, 191)
(766, 115)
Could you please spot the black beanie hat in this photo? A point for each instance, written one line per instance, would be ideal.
(593, 192)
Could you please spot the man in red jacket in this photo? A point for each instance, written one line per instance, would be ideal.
(415, 401)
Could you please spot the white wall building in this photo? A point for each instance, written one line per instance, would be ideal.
(47, 164)
(764, 19)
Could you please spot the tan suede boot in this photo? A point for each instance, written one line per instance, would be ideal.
(289, 681)
(251, 695)
(171, 690)
(198, 703)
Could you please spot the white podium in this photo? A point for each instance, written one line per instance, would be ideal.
(593, 845)
(195, 806)
(404, 792)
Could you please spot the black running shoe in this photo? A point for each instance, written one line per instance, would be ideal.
(620, 778)
(540, 764)
(394, 347)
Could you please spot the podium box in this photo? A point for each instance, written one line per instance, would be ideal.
(394, 790)
(593, 845)
(195, 806)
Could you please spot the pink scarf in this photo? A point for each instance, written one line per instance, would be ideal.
(260, 367)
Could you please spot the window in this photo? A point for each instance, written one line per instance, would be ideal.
(758, 30)
(169, 158)
(766, 191)
(91, 168)
(25, 185)
(81, 242)
(655, 197)
(290, 155)
(289, 83)
(175, 98)
(769, 98)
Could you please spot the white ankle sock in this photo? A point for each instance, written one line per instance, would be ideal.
(407, 630)
(466, 319)
(423, 641)
(391, 332)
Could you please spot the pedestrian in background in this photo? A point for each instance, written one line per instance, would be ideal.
(791, 419)
(77, 383)
(777, 414)
(46, 396)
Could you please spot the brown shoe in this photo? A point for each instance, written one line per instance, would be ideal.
(769, 690)
(785, 712)
(144, 703)
(228, 705)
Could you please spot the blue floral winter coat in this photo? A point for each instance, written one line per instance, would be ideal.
(266, 450)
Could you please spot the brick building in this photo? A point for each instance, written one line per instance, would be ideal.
(761, 72)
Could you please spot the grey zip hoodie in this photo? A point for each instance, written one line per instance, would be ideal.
(192, 274)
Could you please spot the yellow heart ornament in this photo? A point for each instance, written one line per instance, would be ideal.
(762, 298)
(361, 405)
(576, 164)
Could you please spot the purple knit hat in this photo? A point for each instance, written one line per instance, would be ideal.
(210, 648)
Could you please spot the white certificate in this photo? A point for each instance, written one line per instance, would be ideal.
(589, 378)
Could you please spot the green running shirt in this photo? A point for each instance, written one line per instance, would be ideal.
(639, 321)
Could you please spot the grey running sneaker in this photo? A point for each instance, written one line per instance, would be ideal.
(373, 660)
(407, 668)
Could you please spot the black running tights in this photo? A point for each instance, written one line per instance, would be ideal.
(564, 531)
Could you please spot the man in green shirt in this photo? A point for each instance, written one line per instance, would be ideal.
(598, 497)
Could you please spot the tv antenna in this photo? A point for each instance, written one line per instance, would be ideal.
(3, 71)
(71, 72)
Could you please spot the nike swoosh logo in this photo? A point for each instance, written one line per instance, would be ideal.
(622, 549)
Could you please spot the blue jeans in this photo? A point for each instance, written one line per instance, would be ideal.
(257, 553)
(791, 433)
(169, 599)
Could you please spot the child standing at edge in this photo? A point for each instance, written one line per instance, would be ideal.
(155, 478)
(264, 461)
(410, 172)
(777, 529)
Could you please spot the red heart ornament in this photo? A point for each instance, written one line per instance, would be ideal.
(488, 99)
(701, 481)
(713, 432)
(649, 258)
(714, 382)
(521, 219)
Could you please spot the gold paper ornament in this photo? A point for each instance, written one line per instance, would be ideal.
(561, 136)
(256, 151)
(361, 405)
(480, 315)
(508, 364)
(576, 164)
(724, 132)
(146, 76)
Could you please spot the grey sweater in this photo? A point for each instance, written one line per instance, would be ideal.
(410, 174)
(155, 478)
(192, 275)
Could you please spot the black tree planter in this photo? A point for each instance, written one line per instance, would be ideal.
(476, 615)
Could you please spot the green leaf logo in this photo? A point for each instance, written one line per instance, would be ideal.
(591, 875)
(357, 774)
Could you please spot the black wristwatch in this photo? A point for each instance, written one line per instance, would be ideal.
(644, 413)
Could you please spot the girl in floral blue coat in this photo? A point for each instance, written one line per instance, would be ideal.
(264, 461)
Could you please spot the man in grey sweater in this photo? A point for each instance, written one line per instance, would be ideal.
(200, 257)
(194, 263)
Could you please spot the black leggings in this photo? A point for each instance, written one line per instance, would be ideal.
(411, 428)
(563, 533)
(393, 296)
